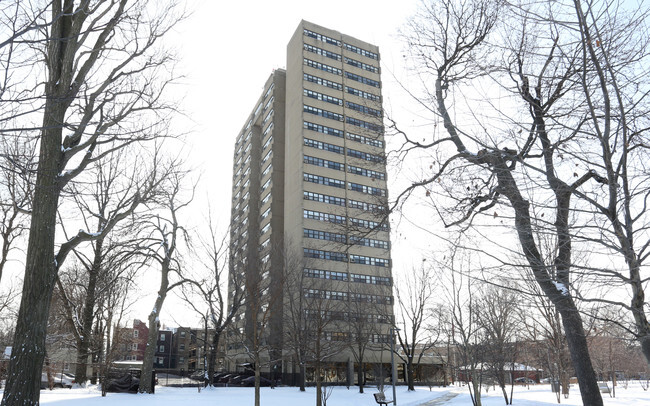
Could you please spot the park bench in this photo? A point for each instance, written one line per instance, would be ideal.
(604, 388)
(380, 398)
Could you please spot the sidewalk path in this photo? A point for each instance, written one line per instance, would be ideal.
(441, 400)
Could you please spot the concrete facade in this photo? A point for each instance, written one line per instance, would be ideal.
(309, 218)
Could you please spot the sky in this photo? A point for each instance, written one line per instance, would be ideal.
(226, 53)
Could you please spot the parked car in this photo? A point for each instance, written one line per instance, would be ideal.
(58, 380)
(236, 380)
(226, 378)
(524, 380)
(198, 375)
(250, 381)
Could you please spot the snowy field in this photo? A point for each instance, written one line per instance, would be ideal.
(537, 395)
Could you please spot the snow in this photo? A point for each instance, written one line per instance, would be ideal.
(536, 395)
(561, 287)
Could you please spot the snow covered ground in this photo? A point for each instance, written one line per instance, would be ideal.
(537, 395)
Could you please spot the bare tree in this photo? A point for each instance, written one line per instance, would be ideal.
(415, 338)
(104, 86)
(495, 161)
(206, 294)
(163, 235)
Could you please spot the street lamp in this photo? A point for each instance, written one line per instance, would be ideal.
(392, 361)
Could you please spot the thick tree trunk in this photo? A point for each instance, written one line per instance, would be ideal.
(360, 374)
(26, 362)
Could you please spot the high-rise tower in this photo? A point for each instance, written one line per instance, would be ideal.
(309, 206)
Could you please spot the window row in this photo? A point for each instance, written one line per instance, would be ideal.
(364, 124)
(342, 257)
(366, 298)
(361, 51)
(365, 156)
(369, 190)
(339, 201)
(362, 109)
(318, 197)
(327, 255)
(348, 316)
(322, 82)
(322, 66)
(361, 65)
(323, 97)
(361, 79)
(322, 52)
(322, 129)
(366, 172)
(370, 242)
(323, 180)
(323, 163)
(365, 140)
(321, 37)
(320, 216)
(324, 235)
(364, 260)
(343, 276)
(361, 223)
(323, 113)
(332, 41)
(324, 146)
(361, 93)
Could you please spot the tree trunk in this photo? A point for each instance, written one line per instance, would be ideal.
(24, 373)
(360, 374)
(409, 375)
(88, 317)
(152, 338)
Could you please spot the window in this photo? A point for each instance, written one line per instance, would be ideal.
(267, 143)
(268, 92)
(181, 360)
(369, 190)
(323, 162)
(361, 65)
(322, 52)
(267, 170)
(324, 146)
(266, 198)
(363, 260)
(134, 346)
(317, 197)
(362, 79)
(322, 180)
(323, 113)
(363, 109)
(182, 334)
(161, 349)
(363, 94)
(323, 97)
(360, 51)
(364, 124)
(317, 273)
(366, 172)
(266, 157)
(322, 82)
(324, 235)
(374, 280)
(369, 242)
(162, 337)
(267, 117)
(321, 37)
(365, 156)
(322, 129)
(266, 228)
(135, 333)
(265, 244)
(266, 185)
(327, 255)
(368, 224)
(268, 130)
(320, 216)
(266, 213)
(322, 66)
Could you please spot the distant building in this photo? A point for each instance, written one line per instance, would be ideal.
(131, 342)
